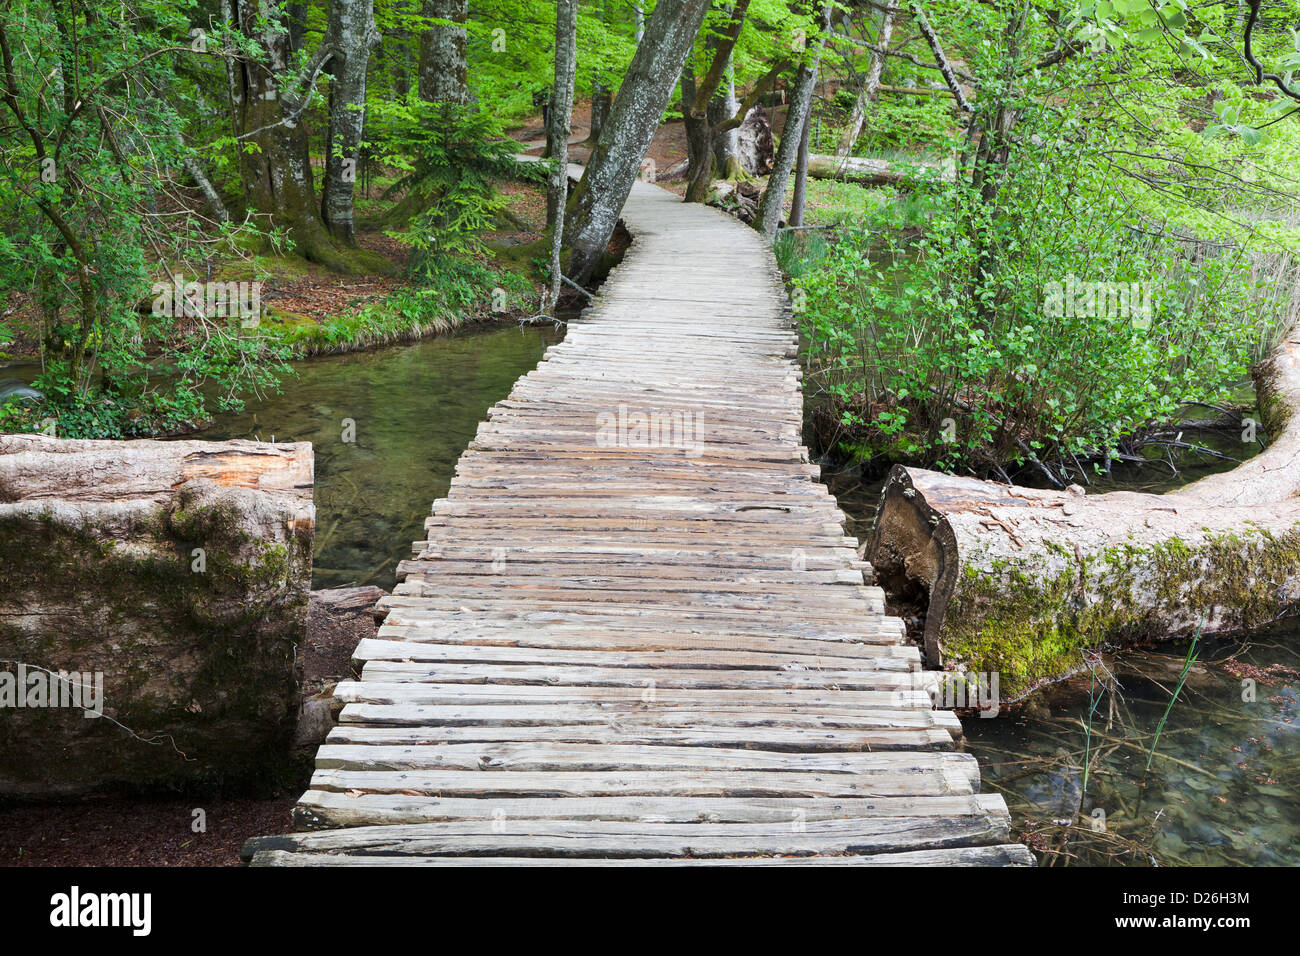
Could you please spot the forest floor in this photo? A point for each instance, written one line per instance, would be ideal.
(126, 831)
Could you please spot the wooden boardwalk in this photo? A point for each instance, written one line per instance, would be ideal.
(637, 631)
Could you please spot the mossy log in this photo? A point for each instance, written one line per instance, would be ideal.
(1020, 581)
(180, 572)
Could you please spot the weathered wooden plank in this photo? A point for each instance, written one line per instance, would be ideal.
(934, 780)
(792, 739)
(322, 808)
(615, 838)
(649, 696)
(629, 657)
(633, 713)
(554, 675)
(566, 758)
(1011, 854)
(621, 646)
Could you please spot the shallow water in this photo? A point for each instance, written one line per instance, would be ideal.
(1222, 787)
(413, 409)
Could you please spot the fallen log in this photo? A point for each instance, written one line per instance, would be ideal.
(172, 577)
(866, 171)
(1021, 581)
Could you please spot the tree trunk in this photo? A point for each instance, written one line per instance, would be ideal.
(801, 174)
(638, 108)
(444, 76)
(179, 571)
(210, 194)
(695, 106)
(868, 172)
(726, 144)
(773, 202)
(268, 100)
(699, 156)
(754, 143)
(602, 97)
(1021, 581)
(870, 85)
(566, 66)
(351, 36)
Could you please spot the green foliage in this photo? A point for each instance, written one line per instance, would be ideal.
(449, 158)
(85, 163)
(959, 350)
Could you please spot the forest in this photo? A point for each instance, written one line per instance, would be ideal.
(1036, 262)
(158, 155)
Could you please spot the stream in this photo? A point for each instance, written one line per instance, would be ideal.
(1221, 787)
(409, 411)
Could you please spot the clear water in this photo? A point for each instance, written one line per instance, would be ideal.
(1221, 789)
(413, 408)
(1222, 786)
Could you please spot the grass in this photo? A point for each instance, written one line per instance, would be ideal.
(1188, 661)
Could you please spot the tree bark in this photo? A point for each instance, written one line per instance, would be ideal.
(352, 36)
(1022, 581)
(615, 162)
(772, 204)
(561, 112)
(602, 98)
(868, 172)
(801, 174)
(726, 143)
(268, 100)
(696, 103)
(444, 75)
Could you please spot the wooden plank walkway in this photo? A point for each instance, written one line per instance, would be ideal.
(637, 631)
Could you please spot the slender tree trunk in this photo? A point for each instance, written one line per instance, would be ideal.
(726, 145)
(443, 71)
(566, 68)
(352, 34)
(210, 194)
(773, 201)
(699, 156)
(695, 107)
(638, 108)
(602, 98)
(801, 173)
(870, 85)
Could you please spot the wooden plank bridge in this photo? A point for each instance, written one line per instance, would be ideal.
(637, 632)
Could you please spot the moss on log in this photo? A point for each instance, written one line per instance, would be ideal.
(1020, 581)
(178, 570)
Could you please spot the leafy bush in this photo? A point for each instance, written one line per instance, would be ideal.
(959, 350)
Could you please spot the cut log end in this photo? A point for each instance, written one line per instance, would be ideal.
(1024, 582)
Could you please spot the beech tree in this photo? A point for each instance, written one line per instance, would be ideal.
(444, 73)
(557, 135)
(270, 86)
(638, 108)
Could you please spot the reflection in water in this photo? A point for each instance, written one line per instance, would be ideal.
(413, 409)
